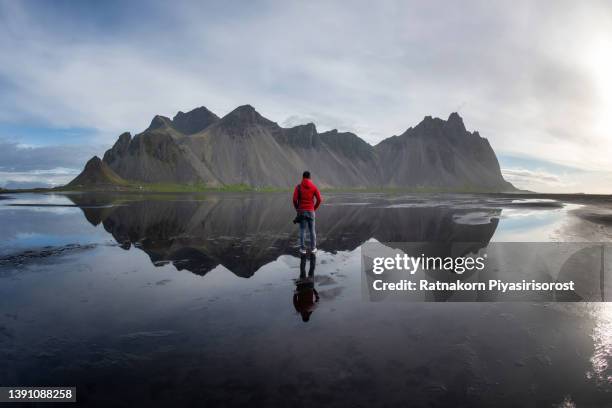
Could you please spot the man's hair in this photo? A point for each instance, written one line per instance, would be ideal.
(306, 174)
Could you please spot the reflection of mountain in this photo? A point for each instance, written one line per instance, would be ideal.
(245, 232)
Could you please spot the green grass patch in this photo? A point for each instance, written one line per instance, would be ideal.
(416, 190)
(198, 188)
(136, 187)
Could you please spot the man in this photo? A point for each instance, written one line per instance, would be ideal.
(304, 197)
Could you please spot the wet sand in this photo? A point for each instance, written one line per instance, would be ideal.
(188, 301)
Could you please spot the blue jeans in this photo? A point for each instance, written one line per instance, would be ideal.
(308, 219)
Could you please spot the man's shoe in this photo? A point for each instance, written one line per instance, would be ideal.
(302, 251)
(314, 251)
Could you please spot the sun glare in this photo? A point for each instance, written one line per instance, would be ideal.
(599, 63)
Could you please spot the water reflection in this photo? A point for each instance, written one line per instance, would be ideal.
(244, 233)
(125, 326)
(306, 297)
(601, 360)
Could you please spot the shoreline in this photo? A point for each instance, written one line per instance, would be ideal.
(230, 189)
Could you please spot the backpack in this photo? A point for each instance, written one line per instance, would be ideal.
(299, 216)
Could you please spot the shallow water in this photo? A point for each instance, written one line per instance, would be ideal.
(184, 300)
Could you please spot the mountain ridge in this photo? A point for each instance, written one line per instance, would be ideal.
(243, 147)
(97, 172)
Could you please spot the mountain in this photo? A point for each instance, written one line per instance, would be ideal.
(243, 147)
(97, 174)
(194, 121)
(438, 153)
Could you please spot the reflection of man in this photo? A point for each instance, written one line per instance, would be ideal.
(306, 200)
(305, 297)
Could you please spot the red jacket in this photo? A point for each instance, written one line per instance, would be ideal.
(308, 193)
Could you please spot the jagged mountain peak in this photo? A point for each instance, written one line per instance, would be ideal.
(336, 132)
(245, 115)
(124, 137)
(187, 123)
(455, 122)
(304, 136)
(431, 125)
(93, 163)
(348, 143)
(307, 127)
(200, 110)
(159, 122)
(454, 117)
(97, 173)
(194, 121)
(120, 147)
(430, 122)
(244, 111)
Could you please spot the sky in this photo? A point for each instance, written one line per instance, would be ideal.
(532, 77)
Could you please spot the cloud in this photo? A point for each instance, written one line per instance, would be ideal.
(42, 166)
(566, 181)
(39, 159)
(523, 177)
(37, 178)
(529, 76)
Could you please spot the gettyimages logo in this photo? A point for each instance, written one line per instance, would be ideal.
(486, 272)
(411, 264)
